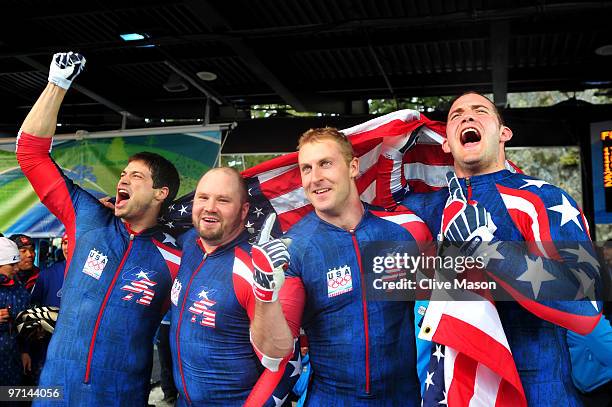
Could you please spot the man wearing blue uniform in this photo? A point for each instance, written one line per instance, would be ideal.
(362, 352)
(120, 267)
(490, 202)
(48, 287)
(214, 362)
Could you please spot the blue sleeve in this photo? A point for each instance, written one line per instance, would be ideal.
(591, 356)
(423, 347)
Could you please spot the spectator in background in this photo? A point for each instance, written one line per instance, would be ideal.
(46, 292)
(48, 287)
(13, 299)
(28, 272)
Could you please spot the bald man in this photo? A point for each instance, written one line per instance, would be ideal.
(213, 303)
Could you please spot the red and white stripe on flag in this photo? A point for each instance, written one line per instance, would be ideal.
(425, 165)
(479, 368)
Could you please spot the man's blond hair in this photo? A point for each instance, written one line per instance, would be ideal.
(328, 133)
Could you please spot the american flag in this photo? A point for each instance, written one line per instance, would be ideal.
(275, 186)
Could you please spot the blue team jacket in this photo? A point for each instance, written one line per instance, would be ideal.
(362, 352)
(114, 296)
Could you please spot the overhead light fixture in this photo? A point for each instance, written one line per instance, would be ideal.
(604, 50)
(133, 36)
(175, 84)
(207, 76)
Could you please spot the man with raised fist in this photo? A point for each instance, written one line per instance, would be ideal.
(213, 303)
(120, 269)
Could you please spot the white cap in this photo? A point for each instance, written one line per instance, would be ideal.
(9, 253)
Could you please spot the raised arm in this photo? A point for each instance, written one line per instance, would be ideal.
(41, 121)
(271, 334)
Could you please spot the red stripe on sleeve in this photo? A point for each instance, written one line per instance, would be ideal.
(48, 182)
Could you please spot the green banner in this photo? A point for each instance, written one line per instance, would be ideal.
(95, 164)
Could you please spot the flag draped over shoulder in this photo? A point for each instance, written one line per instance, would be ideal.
(275, 186)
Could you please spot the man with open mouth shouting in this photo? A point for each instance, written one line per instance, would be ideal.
(487, 201)
(120, 265)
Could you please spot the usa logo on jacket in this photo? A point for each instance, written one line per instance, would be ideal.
(339, 281)
(95, 263)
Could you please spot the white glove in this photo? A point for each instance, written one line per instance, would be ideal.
(466, 223)
(270, 260)
(65, 66)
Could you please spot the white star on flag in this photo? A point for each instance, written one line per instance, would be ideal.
(438, 353)
(249, 224)
(584, 256)
(297, 366)
(534, 183)
(258, 212)
(567, 211)
(171, 207)
(279, 402)
(490, 252)
(536, 275)
(169, 239)
(429, 380)
(183, 210)
(170, 224)
(444, 402)
(587, 287)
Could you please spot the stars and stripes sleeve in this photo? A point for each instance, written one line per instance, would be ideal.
(554, 274)
(272, 387)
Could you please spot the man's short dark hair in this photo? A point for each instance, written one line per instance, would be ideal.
(163, 172)
(473, 92)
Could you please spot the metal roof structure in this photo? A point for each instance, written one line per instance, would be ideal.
(315, 55)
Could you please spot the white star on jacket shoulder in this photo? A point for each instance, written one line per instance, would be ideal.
(249, 224)
(170, 224)
(258, 212)
(183, 210)
(438, 353)
(279, 402)
(536, 275)
(534, 183)
(584, 256)
(169, 239)
(429, 380)
(297, 366)
(568, 212)
(171, 207)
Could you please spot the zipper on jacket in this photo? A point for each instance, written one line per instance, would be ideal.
(468, 184)
(365, 313)
(178, 328)
(102, 307)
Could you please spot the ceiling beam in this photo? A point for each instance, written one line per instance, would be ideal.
(207, 14)
(500, 38)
